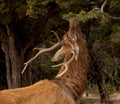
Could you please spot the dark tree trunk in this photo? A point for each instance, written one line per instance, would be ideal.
(14, 62)
(99, 77)
(102, 90)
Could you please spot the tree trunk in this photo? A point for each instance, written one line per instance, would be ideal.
(102, 90)
(14, 62)
(100, 79)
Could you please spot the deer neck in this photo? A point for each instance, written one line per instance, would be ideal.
(76, 76)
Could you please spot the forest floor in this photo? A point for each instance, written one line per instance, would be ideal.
(95, 99)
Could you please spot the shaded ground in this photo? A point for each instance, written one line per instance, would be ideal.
(95, 99)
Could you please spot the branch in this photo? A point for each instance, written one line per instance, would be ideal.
(103, 5)
(116, 18)
(102, 8)
(105, 14)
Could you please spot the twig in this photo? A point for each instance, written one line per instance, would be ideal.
(116, 18)
(103, 5)
(105, 14)
(102, 8)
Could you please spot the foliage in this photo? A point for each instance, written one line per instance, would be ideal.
(8, 7)
(83, 16)
(36, 8)
(115, 36)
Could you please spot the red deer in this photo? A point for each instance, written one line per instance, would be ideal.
(67, 87)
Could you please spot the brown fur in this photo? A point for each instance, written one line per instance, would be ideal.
(76, 76)
(43, 92)
(66, 89)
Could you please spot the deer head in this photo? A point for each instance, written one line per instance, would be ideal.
(69, 46)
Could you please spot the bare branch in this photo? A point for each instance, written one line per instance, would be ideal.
(105, 14)
(65, 64)
(40, 52)
(102, 8)
(112, 17)
(103, 5)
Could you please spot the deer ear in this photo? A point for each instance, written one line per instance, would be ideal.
(59, 55)
(75, 38)
(75, 47)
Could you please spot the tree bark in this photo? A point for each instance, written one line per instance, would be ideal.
(14, 62)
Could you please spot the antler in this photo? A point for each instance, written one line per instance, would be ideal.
(65, 64)
(43, 51)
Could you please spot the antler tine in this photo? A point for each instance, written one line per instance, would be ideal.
(65, 64)
(66, 68)
(75, 48)
(40, 52)
(56, 35)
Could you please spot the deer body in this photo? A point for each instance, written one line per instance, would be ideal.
(43, 92)
(67, 87)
